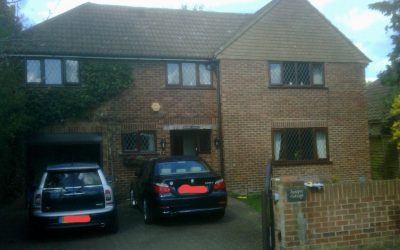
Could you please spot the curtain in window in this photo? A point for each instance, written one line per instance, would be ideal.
(318, 74)
(204, 74)
(52, 71)
(277, 145)
(173, 73)
(189, 74)
(148, 142)
(71, 71)
(321, 145)
(33, 71)
(275, 72)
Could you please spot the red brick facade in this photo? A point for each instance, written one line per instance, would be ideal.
(340, 216)
(131, 111)
(251, 109)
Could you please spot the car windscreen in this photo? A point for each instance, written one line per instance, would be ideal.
(180, 168)
(68, 179)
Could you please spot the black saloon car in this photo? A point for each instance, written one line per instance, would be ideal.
(70, 196)
(173, 186)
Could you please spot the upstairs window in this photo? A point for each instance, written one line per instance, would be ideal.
(296, 74)
(52, 71)
(302, 145)
(141, 142)
(189, 75)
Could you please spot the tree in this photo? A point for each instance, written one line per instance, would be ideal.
(10, 24)
(395, 112)
(391, 9)
(12, 106)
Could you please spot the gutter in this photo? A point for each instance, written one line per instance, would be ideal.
(109, 58)
(219, 121)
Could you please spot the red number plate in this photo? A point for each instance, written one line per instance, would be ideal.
(186, 189)
(76, 219)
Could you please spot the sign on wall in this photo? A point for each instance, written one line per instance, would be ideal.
(296, 194)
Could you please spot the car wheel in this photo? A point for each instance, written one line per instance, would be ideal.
(112, 226)
(147, 213)
(132, 198)
(219, 214)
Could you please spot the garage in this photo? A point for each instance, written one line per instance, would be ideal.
(48, 149)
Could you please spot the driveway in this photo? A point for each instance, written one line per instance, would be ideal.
(239, 229)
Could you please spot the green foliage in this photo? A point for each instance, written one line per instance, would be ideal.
(10, 24)
(253, 200)
(391, 9)
(25, 109)
(100, 81)
(12, 100)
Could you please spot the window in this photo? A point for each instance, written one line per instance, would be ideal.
(296, 74)
(173, 74)
(72, 179)
(189, 75)
(71, 71)
(52, 71)
(300, 145)
(33, 71)
(143, 141)
(180, 168)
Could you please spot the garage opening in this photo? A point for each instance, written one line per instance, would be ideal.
(49, 149)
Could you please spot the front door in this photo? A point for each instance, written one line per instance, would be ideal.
(184, 143)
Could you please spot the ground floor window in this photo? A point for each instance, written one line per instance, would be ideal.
(300, 145)
(141, 141)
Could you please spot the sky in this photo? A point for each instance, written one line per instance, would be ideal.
(364, 27)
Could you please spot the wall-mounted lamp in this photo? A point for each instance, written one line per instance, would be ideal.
(217, 143)
(155, 106)
(163, 144)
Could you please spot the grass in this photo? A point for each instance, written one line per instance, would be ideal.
(252, 200)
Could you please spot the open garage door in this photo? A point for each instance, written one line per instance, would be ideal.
(49, 149)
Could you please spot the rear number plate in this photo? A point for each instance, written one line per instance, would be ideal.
(75, 219)
(187, 189)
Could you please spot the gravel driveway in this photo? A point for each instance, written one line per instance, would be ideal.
(239, 229)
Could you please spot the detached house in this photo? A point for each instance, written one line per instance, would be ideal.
(282, 84)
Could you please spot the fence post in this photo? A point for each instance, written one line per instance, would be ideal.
(268, 230)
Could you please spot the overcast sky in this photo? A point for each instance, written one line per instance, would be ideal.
(364, 27)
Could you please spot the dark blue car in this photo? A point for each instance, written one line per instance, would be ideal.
(174, 186)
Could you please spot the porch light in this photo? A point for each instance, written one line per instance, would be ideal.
(217, 143)
(163, 144)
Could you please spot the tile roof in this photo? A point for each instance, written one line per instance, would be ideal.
(291, 30)
(378, 97)
(132, 32)
(107, 30)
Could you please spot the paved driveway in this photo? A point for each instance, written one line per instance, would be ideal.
(239, 229)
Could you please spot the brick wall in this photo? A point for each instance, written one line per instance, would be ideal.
(131, 111)
(341, 216)
(250, 110)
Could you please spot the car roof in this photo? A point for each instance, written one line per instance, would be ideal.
(73, 166)
(178, 158)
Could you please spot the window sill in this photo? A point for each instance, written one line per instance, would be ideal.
(43, 85)
(297, 87)
(300, 163)
(189, 88)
